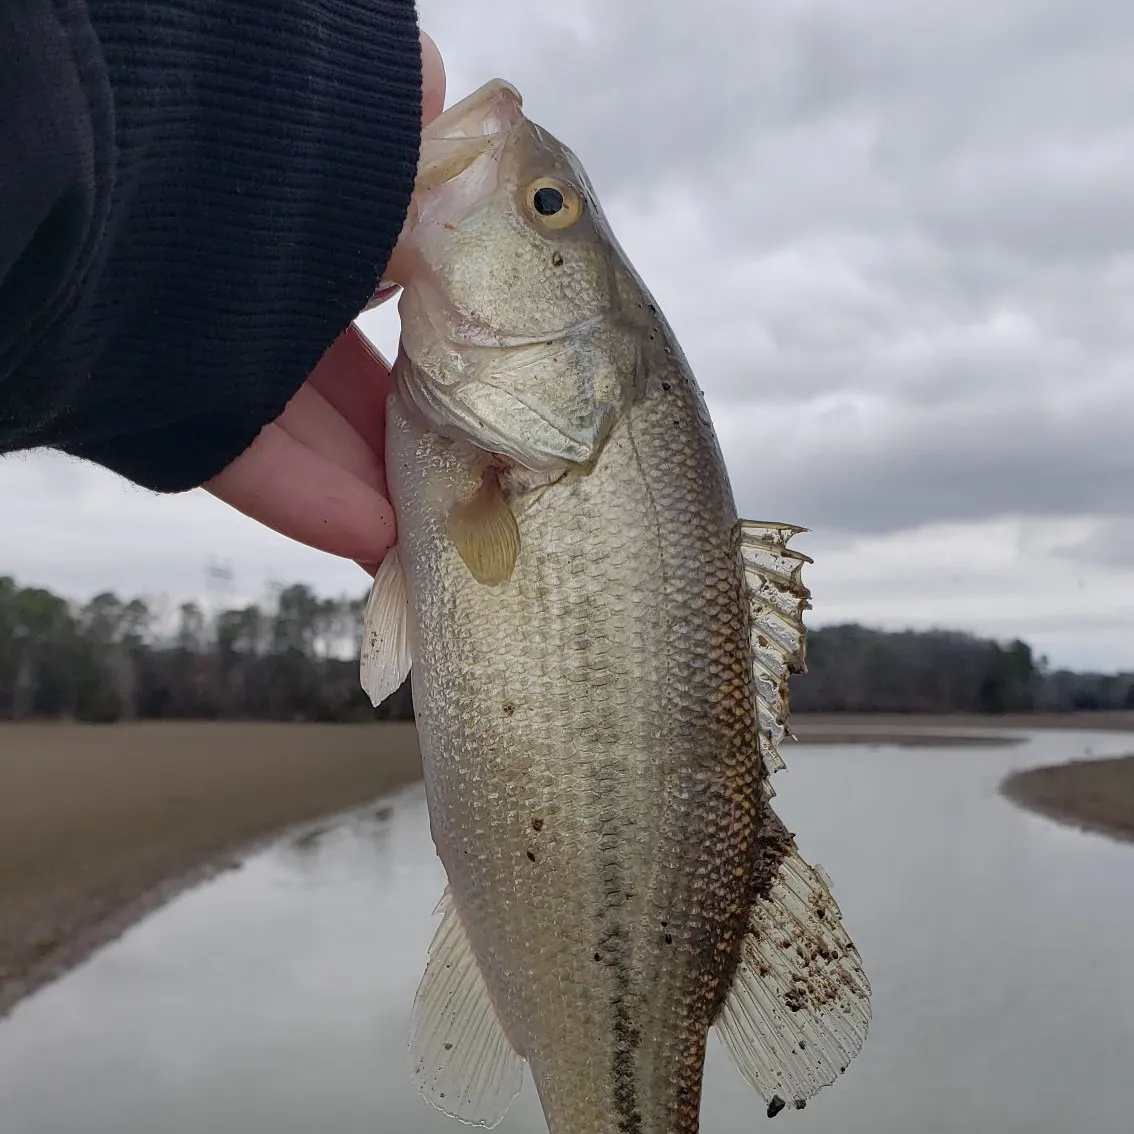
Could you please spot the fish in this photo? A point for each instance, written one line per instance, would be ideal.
(599, 649)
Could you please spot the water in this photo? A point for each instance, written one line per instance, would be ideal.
(274, 1000)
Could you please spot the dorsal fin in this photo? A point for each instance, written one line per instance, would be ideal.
(778, 599)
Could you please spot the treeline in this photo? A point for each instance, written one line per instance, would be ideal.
(296, 659)
(855, 669)
(113, 659)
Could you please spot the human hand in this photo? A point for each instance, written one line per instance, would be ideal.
(316, 474)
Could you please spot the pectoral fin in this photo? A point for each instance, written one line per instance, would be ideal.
(484, 531)
(461, 1060)
(799, 1008)
(385, 658)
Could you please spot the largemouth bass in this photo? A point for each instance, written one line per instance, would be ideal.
(600, 651)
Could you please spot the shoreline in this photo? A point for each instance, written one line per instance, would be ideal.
(946, 730)
(100, 825)
(99, 934)
(1094, 796)
(902, 732)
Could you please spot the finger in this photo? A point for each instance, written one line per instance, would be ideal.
(386, 290)
(306, 497)
(313, 421)
(432, 80)
(356, 380)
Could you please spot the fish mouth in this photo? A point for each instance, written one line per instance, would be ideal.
(468, 129)
(493, 108)
(450, 144)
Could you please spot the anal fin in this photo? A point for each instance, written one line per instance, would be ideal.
(460, 1058)
(385, 659)
(799, 1008)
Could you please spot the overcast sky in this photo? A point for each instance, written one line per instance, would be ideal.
(897, 244)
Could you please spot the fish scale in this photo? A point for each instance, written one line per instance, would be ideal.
(592, 631)
(632, 772)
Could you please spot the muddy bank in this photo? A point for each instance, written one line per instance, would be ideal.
(901, 732)
(946, 729)
(99, 824)
(1093, 795)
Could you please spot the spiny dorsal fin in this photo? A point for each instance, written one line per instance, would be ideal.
(460, 1058)
(385, 658)
(799, 1008)
(778, 599)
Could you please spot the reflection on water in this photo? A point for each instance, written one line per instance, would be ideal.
(274, 1000)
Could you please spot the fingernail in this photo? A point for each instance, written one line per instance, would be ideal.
(385, 290)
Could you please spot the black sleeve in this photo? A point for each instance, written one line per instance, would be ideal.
(196, 197)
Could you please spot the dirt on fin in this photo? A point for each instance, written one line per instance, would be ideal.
(484, 531)
(385, 659)
(460, 1058)
(799, 1008)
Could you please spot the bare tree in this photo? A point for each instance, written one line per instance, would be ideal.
(297, 659)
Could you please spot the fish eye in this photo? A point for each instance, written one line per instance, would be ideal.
(553, 202)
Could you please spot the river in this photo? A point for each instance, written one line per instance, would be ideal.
(274, 998)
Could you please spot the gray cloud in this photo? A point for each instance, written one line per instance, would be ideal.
(950, 468)
(1109, 543)
(909, 231)
(897, 243)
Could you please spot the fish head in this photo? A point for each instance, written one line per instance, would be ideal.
(518, 309)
